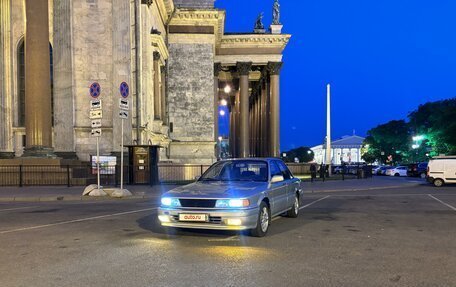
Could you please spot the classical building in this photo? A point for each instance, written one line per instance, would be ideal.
(176, 58)
(346, 149)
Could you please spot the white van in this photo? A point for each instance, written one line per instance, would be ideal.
(442, 170)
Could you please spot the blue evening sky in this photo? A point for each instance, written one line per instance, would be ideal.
(382, 58)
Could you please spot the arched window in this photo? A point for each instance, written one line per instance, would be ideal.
(21, 83)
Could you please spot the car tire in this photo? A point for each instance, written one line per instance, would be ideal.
(294, 211)
(396, 174)
(263, 221)
(423, 175)
(438, 182)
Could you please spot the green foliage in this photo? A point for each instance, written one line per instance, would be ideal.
(386, 141)
(435, 121)
(304, 154)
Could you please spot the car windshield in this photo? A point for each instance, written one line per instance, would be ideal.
(238, 170)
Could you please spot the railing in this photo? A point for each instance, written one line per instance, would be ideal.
(175, 173)
(46, 175)
(80, 175)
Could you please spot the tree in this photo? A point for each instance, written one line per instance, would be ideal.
(304, 154)
(387, 143)
(436, 122)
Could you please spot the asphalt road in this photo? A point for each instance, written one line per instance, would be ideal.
(392, 237)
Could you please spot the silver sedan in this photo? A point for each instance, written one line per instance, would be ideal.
(237, 194)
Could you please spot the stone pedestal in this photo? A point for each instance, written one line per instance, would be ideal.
(276, 29)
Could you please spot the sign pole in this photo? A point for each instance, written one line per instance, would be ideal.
(98, 162)
(122, 154)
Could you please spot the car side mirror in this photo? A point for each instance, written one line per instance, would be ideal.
(277, 178)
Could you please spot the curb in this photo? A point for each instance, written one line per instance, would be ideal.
(72, 198)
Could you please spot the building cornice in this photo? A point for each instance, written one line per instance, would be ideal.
(159, 44)
(253, 40)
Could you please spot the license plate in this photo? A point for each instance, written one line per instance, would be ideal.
(193, 217)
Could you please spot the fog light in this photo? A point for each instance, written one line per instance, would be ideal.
(164, 218)
(235, 221)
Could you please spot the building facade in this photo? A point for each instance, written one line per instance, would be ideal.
(176, 58)
(344, 150)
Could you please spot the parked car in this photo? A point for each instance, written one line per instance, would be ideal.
(417, 170)
(377, 169)
(442, 170)
(397, 171)
(383, 169)
(237, 194)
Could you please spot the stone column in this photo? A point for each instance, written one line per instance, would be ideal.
(6, 135)
(217, 70)
(38, 120)
(263, 118)
(274, 70)
(163, 95)
(232, 132)
(237, 125)
(244, 70)
(64, 102)
(157, 97)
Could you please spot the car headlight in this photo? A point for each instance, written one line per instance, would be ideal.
(170, 202)
(232, 203)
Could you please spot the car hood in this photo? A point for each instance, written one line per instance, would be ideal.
(218, 189)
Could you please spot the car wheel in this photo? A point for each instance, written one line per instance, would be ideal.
(294, 211)
(263, 222)
(397, 174)
(438, 182)
(423, 175)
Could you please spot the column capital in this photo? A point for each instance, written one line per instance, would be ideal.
(217, 69)
(156, 56)
(244, 68)
(274, 67)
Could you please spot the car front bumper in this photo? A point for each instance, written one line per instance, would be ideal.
(218, 219)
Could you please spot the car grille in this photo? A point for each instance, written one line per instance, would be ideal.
(212, 219)
(200, 203)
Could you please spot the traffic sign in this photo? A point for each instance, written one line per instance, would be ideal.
(95, 104)
(96, 124)
(124, 90)
(123, 114)
(96, 132)
(95, 90)
(97, 114)
(124, 104)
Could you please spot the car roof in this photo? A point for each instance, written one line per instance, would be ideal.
(253, 159)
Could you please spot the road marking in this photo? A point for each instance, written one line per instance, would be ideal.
(305, 206)
(77, 220)
(444, 203)
(231, 238)
(17, 208)
(313, 202)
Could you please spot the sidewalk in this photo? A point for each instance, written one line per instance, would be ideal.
(374, 183)
(60, 193)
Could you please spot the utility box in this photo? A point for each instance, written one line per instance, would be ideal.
(143, 164)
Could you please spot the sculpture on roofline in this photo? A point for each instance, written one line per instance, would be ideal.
(259, 22)
(276, 13)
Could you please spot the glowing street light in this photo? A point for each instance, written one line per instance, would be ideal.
(227, 89)
(418, 138)
(224, 102)
(222, 113)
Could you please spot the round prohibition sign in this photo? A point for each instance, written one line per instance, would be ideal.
(124, 90)
(95, 90)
